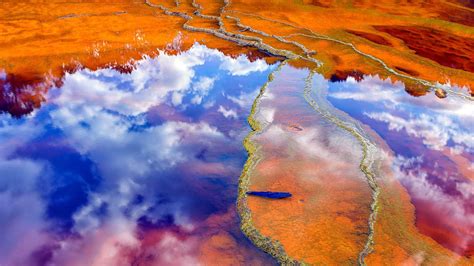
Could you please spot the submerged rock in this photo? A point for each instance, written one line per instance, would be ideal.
(295, 127)
(269, 194)
(440, 93)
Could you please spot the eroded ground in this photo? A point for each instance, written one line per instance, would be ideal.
(326, 221)
(344, 209)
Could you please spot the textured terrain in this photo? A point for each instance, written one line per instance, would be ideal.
(348, 207)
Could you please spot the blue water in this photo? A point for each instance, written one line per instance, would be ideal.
(432, 148)
(113, 154)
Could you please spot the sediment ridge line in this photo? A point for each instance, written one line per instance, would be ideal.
(240, 39)
(367, 164)
(315, 35)
(272, 247)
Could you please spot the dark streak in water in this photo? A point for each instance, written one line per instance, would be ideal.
(269, 194)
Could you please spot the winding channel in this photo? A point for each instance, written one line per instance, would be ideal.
(274, 248)
(315, 97)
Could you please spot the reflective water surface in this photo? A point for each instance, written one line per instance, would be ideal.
(132, 168)
(432, 143)
(108, 157)
(141, 166)
(299, 151)
(425, 141)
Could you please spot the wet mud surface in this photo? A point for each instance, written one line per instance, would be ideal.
(133, 132)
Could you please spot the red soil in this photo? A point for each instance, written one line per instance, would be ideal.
(442, 47)
(371, 37)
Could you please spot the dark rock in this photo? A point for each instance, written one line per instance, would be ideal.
(269, 194)
(440, 93)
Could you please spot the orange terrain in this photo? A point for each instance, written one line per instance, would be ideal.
(326, 222)
(41, 41)
(418, 42)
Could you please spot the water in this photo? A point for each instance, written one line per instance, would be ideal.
(141, 167)
(432, 146)
(299, 151)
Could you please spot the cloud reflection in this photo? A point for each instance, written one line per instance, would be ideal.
(433, 147)
(437, 121)
(163, 158)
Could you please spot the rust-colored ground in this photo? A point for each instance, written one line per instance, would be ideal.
(326, 220)
(457, 11)
(371, 37)
(398, 241)
(428, 40)
(340, 20)
(436, 45)
(41, 41)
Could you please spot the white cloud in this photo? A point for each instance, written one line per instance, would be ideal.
(21, 211)
(370, 89)
(227, 113)
(392, 95)
(315, 142)
(101, 114)
(435, 131)
(435, 121)
(147, 86)
(130, 163)
(174, 251)
(97, 115)
(151, 82)
(265, 115)
(21, 206)
(204, 84)
(103, 246)
(244, 100)
(416, 179)
(202, 88)
(241, 66)
(14, 133)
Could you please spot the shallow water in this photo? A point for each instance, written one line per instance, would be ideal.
(425, 141)
(432, 146)
(141, 167)
(142, 164)
(301, 152)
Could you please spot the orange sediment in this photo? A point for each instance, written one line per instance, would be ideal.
(338, 20)
(327, 219)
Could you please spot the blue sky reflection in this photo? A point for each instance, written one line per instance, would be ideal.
(113, 156)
